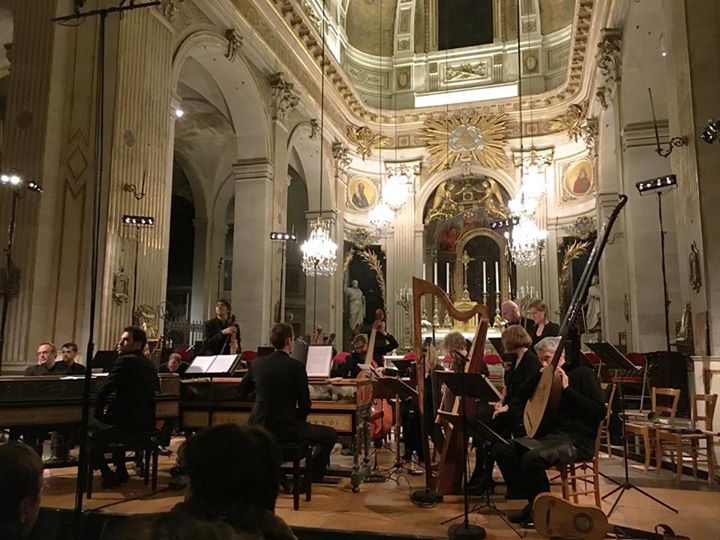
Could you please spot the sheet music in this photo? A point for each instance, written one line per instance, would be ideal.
(201, 364)
(223, 363)
(319, 359)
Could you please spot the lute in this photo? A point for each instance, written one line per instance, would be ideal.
(546, 398)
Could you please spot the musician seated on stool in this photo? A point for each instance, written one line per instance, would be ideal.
(133, 380)
(384, 343)
(571, 438)
(221, 332)
(21, 479)
(282, 399)
(506, 417)
(69, 354)
(511, 313)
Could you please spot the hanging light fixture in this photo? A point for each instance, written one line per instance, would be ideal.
(395, 188)
(525, 241)
(380, 217)
(526, 238)
(319, 250)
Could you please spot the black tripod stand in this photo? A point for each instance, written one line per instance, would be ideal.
(617, 361)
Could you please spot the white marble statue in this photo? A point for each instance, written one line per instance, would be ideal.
(592, 306)
(356, 305)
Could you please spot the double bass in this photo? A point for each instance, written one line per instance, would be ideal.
(544, 403)
(381, 414)
(452, 463)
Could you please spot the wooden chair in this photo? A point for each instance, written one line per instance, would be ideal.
(605, 424)
(646, 430)
(685, 445)
(587, 472)
(295, 453)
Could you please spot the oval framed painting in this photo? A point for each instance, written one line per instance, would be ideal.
(362, 193)
(579, 179)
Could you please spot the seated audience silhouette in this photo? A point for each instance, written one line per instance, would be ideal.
(20, 485)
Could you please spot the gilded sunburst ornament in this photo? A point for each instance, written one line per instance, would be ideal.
(465, 137)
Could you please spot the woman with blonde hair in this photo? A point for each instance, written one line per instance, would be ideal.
(539, 312)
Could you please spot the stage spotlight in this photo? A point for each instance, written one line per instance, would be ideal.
(711, 132)
(661, 183)
(283, 236)
(138, 221)
(505, 223)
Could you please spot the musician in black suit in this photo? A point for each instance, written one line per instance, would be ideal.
(539, 311)
(220, 330)
(510, 311)
(571, 438)
(133, 380)
(282, 399)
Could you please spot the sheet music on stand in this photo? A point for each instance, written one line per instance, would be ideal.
(221, 364)
(472, 385)
(612, 358)
(497, 344)
(319, 361)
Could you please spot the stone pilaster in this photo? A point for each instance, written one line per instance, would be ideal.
(140, 153)
(252, 250)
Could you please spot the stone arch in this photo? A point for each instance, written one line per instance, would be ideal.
(305, 152)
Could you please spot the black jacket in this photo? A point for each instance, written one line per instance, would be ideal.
(282, 396)
(215, 341)
(134, 381)
(350, 369)
(523, 371)
(581, 409)
(550, 329)
(60, 368)
(527, 324)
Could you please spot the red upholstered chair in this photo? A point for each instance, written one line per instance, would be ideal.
(248, 356)
(491, 359)
(593, 358)
(409, 356)
(496, 370)
(341, 357)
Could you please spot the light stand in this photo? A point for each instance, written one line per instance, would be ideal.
(16, 183)
(138, 222)
(659, 186)
(96, 213)
(283, 238)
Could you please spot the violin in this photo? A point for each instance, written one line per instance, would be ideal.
(232, 340)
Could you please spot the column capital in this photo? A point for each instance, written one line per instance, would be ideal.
(284, 97)
(329, 215)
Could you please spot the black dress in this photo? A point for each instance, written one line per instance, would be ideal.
(551, 329)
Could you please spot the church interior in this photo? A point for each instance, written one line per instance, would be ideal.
(404, 170)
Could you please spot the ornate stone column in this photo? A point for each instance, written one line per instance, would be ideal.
(252, 251)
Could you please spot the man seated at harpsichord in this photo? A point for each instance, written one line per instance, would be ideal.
(282, 399)
(47, 362)
(133, 379)
(570, 438)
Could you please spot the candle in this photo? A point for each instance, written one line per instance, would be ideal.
(435, 275)
(484, 278)
(447, 278)
(424, 276)
(497, 278)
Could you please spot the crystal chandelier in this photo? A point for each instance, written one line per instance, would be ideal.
(395, 189)
(525, 241)
(380, 217)
(319, 250)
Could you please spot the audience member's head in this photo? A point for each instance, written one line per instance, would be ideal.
(47, 352)
(510, 311)
(515, 337)
(174, 362)
(133, 339)
(545, 349)
(234, 465)
(69, 352)
(281, 337)
(20, 486)
(539, 311)
(360, 344)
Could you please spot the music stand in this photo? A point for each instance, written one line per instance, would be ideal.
(479, 387)
(507, 358)
(393, 388)
(466, 385)
(618, 362)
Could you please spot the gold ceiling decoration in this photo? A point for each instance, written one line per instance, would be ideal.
(467, 195)
(365, 140)
(465, 137)
(572, 120)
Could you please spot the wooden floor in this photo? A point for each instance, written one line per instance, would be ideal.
(385, 506)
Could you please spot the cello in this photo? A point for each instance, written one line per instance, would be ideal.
(544, 403)
(452, 463)
(381, 415)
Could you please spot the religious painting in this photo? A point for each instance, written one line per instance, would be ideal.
(578, 179)
(362, 193)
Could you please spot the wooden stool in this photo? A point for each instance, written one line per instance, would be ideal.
(296, 452)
